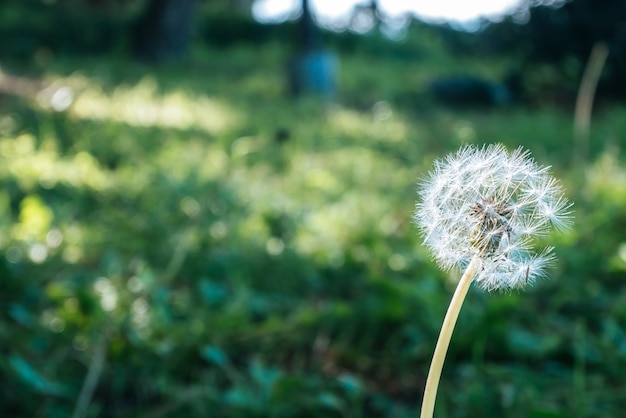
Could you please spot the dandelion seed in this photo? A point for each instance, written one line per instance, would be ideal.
(492, 205)
(481, 210)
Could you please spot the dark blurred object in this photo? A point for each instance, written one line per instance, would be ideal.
(163, 31)
(157, 30)
(558, 34)
(229, 29)
(563, 37)
(313, 70)
(282, 135)
(31, 28)
(470, 90)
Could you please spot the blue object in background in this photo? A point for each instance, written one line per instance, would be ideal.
(314, 72)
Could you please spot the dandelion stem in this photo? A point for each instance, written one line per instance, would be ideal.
(434, 374)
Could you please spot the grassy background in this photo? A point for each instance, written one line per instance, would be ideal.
(188, 241)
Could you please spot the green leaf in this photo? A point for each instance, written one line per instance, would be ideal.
(212, 292)
(330, 400)
(241, 398)
(21, 315)
(350, 384)
(215, 355)
(34, 379)
(265, 377)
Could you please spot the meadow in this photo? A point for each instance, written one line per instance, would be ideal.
(188, 240)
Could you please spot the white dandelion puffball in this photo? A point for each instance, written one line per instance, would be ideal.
(489, 204)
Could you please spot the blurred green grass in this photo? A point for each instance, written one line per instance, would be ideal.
(237, 253)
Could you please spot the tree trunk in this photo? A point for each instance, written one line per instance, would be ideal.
(164, 30)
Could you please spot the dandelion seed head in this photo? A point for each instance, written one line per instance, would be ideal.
(491, 204)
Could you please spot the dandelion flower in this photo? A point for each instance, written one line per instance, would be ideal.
(489, 204)
(482, 210)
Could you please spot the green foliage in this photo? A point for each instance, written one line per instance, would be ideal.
(237, 254)
(36, 28)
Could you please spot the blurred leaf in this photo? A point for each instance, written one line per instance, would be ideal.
(615, 335)
(530, 344)
(20, 314)
(241, 398)
(215, 355)
(330, 400)
(212, 292)
(350, 384)
(34, 379)
(546, 414)
(265, 377)
(35, 218)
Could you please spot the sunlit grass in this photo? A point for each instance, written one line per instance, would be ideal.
(197, 205)
(379, 125)
(141, 105)
(45, 167)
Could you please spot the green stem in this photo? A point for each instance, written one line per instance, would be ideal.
(434, 374)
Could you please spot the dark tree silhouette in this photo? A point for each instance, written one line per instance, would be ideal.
(561, 35)
(163, 30)
(313, 69)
